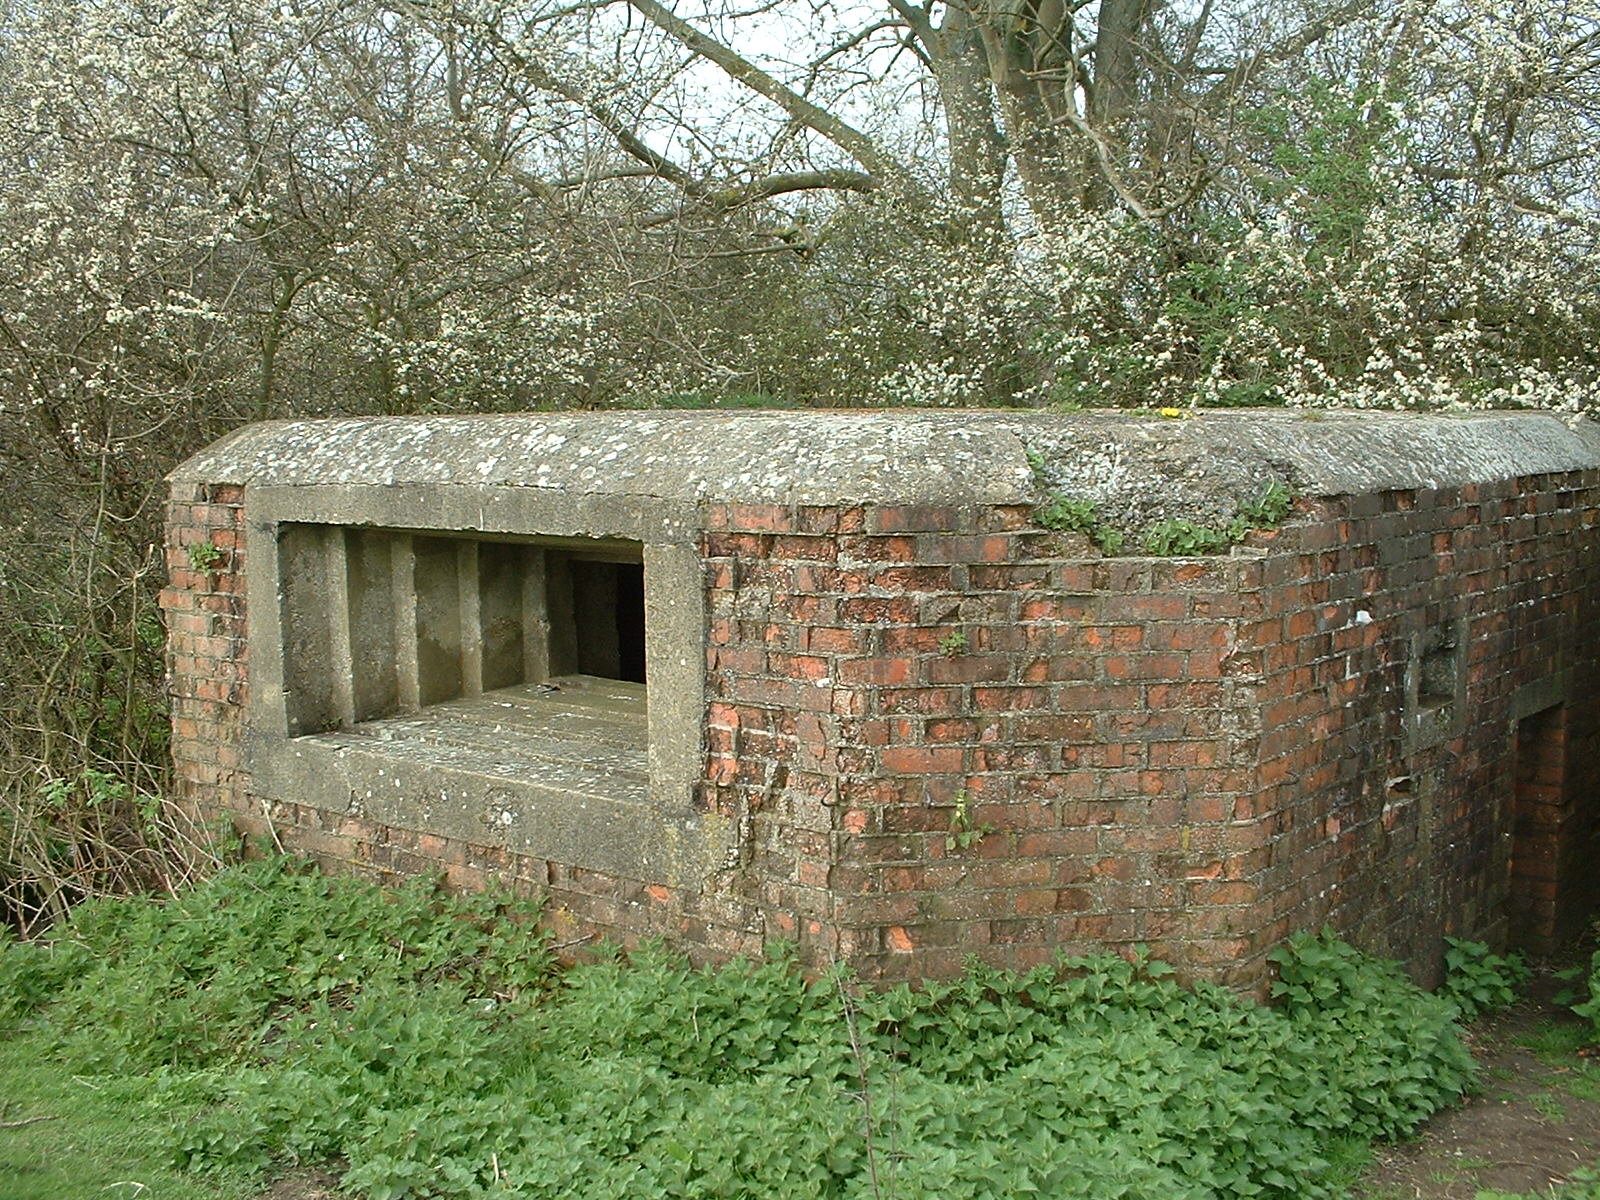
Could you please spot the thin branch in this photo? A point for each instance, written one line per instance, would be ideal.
(1103, 152)
(829, 125)
(1537, 208)
(537, 73)
(27, 1121)
(780, 184)
(1197, 32)
(1306, 37)
(588, 179)
(918, 19)
(814, 69)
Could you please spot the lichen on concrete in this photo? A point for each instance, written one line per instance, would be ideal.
(1142, 469)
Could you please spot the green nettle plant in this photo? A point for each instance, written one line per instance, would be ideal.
(423, 1045)
(1477, 980)
(1584, 996)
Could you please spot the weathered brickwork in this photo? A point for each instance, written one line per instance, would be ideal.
(874, 669)
(941, 732)
(1201, 755)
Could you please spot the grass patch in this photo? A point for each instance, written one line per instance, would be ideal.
(1548, 1105)
(1583, 1185)
(1583, 1082)
(1559, 1045)
(102, 1140)
(424, 1044)
(1556, 1043)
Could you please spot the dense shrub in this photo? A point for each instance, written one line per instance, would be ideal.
(215, 975)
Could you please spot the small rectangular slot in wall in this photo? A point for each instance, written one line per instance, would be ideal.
(608, 618)
(1439, 668)
(1435, 682)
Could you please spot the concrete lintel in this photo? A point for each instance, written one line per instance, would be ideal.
(466, 509)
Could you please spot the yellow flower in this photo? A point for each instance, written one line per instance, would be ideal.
(1172, 414)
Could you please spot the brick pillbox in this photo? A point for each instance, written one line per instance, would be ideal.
(824, 677)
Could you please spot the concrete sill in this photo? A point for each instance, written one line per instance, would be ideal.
(578, 734)
(559, 773)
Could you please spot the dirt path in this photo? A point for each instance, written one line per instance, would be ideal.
(1535, 1121)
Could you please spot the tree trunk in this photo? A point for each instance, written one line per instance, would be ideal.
(977, 148)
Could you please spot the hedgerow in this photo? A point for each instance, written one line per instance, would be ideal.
(424, 1044)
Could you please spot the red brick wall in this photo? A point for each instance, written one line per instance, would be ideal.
(206, 653)
(1093, 714)
(1397, 846)
(1201, 755)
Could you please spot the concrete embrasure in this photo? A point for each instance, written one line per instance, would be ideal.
(524, 733)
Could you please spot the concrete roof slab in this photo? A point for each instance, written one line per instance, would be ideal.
(1138, 466)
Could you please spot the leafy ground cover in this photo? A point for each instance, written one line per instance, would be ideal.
(409, 1043)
